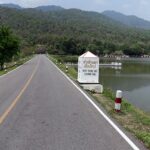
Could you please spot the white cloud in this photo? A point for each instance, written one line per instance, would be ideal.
(28, 3)
(33, 3)
(126, 6)
(99, 1)
(144, 2)
(8, 1)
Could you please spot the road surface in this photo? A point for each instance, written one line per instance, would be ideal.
(41, 110)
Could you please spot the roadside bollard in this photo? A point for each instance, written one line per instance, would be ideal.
(5, 66)
(66, 68)
(118, 101)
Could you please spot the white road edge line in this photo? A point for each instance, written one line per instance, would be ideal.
(126, 138)
(14, 69)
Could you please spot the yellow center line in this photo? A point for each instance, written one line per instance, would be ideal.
(13, 104)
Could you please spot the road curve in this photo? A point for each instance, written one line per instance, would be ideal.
(51, 114)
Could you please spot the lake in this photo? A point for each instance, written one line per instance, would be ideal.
(133, 78)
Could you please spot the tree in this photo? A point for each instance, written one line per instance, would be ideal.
(9, 45)
(69, 46)
(134, 50)
(110, 47)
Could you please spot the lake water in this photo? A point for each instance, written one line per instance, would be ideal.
(133, 79)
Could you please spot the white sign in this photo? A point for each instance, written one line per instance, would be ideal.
(88, 68)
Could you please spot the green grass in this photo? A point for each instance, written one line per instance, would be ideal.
(65, 58)
(60, 62)
(131, 118)
(144, 136)
(13, 65)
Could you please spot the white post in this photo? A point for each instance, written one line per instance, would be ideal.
(118, 101)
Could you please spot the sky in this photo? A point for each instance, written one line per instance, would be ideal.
(139, 8)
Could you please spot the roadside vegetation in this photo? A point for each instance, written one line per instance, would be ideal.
(61, 61)
(14, 64)
(131, 118)
(11, 55)
(9, 46)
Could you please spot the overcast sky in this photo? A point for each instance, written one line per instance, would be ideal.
(140, 8)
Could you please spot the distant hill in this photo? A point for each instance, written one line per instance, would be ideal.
(68, 22)
(73, 30)
(42, 8)
(49, 8)
(131, 21)
(11, 6)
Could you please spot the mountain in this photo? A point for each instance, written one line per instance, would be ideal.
(74, 30)
(131, 20)
(49, 8)
(69, 22)
(11, 6)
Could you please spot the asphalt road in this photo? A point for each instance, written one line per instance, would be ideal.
(49, 113)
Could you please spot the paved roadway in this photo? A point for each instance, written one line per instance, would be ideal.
(41, 110)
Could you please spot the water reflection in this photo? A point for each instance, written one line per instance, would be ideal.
(133, 78)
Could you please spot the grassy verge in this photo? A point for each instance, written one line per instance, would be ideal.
(14, 64)
(60, 62)
(131, 118)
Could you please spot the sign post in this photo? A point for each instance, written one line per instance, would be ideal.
(88, 68)
(88, 72)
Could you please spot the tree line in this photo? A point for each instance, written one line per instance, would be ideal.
(74, 32)
(9, 46)
(73, 46)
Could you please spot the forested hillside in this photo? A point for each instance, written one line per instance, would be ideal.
(74, 31)
(131, 20)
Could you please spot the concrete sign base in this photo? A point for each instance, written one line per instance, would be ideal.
(97, 88)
